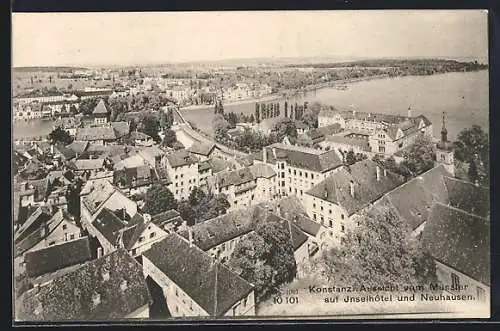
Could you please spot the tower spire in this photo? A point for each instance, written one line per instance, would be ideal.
(444, 132)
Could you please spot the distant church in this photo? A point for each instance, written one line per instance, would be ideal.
(444, 150)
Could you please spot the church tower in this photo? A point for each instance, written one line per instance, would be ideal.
(444, 150)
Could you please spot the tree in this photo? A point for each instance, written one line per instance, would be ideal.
(350, 157)
(472, 172)
(266, 257)
(187, 213)
(420, 157)
(285, 127)
(470, 142)
(221, 126)
(380, 250)
(150, 126)
(59, 135)
(169, 139)
(158, 199)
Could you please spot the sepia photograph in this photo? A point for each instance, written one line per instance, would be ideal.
(250, 165)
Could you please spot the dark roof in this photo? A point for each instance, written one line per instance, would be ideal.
(218, 230)
(236, 177)
(96, 193)
(181, 158)
(459, 240)
(210, 284)
(68, 153)
(95, 133)
(219, 164)
(89, 164)
(109, 225)
(100, 108)
(133, 177)
(56, 257)
(34, 221)
(121, 128)
(367, 189)
(297, 236)
(201, 148)
(70, 296)
(165, 217)
(468, 197)
(305, 158)
(260, 170)
(413, 200)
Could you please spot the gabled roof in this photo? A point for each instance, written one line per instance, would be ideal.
(57, 257)
(109, 225)
(68, 153)
(468, 197)
(100, 108)
(218, 230)
(360, 143)
(121, 128)
(304, 158)
(95, 193)
(261, 170)
(95, 133)
(236, 177)
(34, 221)
(181, 158)
(201, 148)
(166, 217)
(89, 164)
(459, 240)
(210, 284)
(363, 175)
(70, 296)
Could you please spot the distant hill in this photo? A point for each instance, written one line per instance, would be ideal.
(46, 69)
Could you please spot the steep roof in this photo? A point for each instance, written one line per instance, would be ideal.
(363, 175)
(460, 240)
(133, 177)
(95, 133)
(236, 177)
(361, 143)
(109, 225)
(413, 200)
(56, 257)
(260, 170)
(468, 197)
(96, 193)
(218, 230)
(166, 217)
(210, 284)
(89, 164)
(121, 128)
(34, 221)
(304, 158)
(71, 296)
(181, 158)
(201, 148)
(100, 108)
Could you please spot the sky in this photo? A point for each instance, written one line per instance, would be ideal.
(44, 39)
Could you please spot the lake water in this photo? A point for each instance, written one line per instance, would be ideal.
(464, 96)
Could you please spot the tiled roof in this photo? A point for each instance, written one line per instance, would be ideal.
(219, 164)
(95, 133)
(220, 229)
(96, 193)
(260, 170)
(181, 158)
(56, 257)
(131, 162)
(70, 296)
(362, 144)
(121, 128)
(201, 148)
(89, 164)
(210, 284)
(459, 240)
(414, 199)
(133, 177)
(165, 217)
(468, 197)
(109, 225)
(337, 188)
(305, 158)
(40, 215)
(68, 153)
(100, 108)
(236, 177)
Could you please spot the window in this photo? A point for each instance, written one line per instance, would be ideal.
(290, 189)
(455, 281)
(381, 149)
(342, 216)
(177, 294)
(223, 246)
(329, 211)
(71, 236)
(342, 228)
(314, 216)
(300, 173)
(321, 208)
(289, 170)
(305, 173)
(141, 239)
(152, 235)
(295, 172)
(134, 251)
(322, 220)
(64, 227)
(312, 176)
(314, 205)
(283, 183)
(235, 202)
(176, 176)
(52, 243)
(282, 166)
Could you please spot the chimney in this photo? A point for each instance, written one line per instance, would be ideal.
(410, 112)
(147, 218)
(43, 230)
(190, 233)
(378, 173)
(352, 188)
(264, 154)
(274, 152)
(385, 172)
(278, 210)
(51, 149)
(124, 213)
